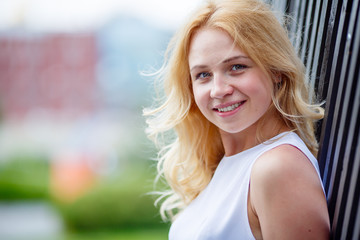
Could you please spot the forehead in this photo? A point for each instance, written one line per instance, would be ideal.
(211, 46)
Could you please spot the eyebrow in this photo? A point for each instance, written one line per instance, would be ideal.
(224, 61)
(234, 58)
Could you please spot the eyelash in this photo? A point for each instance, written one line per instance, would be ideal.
(199, 75)
(239, 67)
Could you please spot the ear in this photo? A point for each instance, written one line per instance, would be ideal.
(277, 80)
(277, 77)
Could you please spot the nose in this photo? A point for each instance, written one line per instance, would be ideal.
(220, 87)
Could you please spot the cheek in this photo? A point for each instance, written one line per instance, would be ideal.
(260, 88)
(200, 96)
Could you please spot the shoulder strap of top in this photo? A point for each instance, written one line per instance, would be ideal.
(293, 139)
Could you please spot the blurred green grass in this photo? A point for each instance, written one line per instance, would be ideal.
(116, 207)
(116, 203)
(24, 178)
(131, 234)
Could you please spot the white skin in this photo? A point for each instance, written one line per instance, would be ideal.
(233, 93)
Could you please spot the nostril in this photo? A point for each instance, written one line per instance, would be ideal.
(219, 91)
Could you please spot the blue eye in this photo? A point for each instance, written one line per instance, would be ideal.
(203, 75)
(238, 67)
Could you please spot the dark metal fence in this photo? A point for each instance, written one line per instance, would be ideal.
(328, 42)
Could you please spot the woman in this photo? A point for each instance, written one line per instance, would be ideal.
(236, 130)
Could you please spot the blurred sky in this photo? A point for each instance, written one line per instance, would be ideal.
(84, 15)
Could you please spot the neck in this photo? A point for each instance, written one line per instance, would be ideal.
(237, 142)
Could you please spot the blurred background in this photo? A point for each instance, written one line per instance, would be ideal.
(74, 160)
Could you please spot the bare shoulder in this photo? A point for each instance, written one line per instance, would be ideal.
(284, 172)
(287, 197)
(284, 161)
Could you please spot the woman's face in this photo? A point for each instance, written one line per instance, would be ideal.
(229, 89)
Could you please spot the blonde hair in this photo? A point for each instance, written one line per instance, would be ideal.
(189, 155)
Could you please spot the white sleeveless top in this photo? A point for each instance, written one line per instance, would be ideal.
(220, 210)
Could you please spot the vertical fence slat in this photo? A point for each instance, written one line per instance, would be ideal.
(300, 24)
(314, 34)
(333, 107)
(348, 205)
(327, 70)
(294, 11)
(307, 30)
(322, 50)
(318, 43)
(356, 210)
(328, 39)
(327, 87)
(337, 204)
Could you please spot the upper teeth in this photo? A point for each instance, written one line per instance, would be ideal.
(229, 108)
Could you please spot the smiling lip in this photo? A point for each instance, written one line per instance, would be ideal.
(228, 109)
(228, 106)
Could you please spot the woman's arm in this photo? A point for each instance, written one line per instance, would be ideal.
(286, 195)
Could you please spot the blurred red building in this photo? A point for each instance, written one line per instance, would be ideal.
(55, 73)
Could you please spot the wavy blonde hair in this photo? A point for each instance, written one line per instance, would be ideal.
(190, 146)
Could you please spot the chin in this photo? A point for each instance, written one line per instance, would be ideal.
(231, 130)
